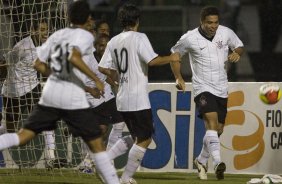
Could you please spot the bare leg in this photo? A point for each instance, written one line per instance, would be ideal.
(16, 139)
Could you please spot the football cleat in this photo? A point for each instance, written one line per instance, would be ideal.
(202, 170)
(87, 171)
(49, 164)
(220, 168)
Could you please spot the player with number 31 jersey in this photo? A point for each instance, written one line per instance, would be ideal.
(59, 47)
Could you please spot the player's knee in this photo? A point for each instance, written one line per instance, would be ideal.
(146, 140)
(25, 136)
(95, 145)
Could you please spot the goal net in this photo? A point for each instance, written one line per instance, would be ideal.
(19, 20)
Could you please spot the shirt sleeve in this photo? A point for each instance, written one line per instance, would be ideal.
(43, 51)
(145, 50)
(234, 41)
(181, 46)
(83, 42)
(12, 57)
(19, 51)
(107, 61)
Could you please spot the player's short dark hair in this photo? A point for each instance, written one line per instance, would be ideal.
(128, 15)
(98, 23)
(101, 36)
(36, 21)
(209, 10)
(79, 12)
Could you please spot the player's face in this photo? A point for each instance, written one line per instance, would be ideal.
(90, 26)
(210, 25)
(101, 46)
(42, 32)
(104, 28)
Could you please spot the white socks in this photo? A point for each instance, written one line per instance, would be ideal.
(8, 140)
(120, 147)
(211, 140)
(116, 134)
(204, 155)
(104, 167)
(135, 157)
(50, 144)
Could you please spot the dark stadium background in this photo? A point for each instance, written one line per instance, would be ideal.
(258, 24)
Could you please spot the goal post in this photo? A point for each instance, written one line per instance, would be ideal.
(16, 19)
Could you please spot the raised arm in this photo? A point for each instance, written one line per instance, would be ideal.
(162, 60)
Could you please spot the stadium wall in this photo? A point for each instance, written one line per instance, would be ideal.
(251, 142)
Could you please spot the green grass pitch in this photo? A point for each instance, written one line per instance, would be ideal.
(67, 176)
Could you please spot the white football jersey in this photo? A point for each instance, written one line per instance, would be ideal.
(21, 77)
(63, 88)
(129, 53)
(92, 63)
(208, 59)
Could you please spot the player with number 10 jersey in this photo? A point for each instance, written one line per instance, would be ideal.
(130, 53)
(130, 57)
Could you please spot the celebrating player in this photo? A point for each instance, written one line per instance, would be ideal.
(116, 132)
(21, 88)
(63, 95)
(208, 47)
(101, 26)
(130, 53)
(105, 106)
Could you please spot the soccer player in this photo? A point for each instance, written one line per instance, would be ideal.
(63, 96)
(130, 53)
(105, 106)
(101, 41)
(118, 122)
(101, 26)
(21, 88)
(208, 47)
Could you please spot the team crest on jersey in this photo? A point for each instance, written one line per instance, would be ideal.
(203, 100)
(219, 44)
